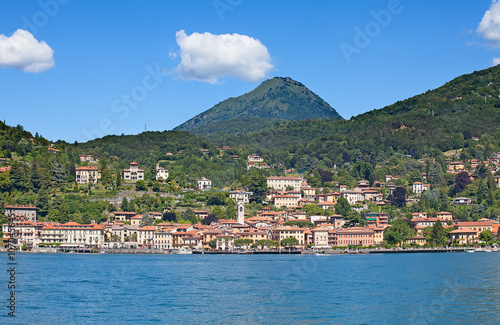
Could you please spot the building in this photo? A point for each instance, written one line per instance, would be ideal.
(234, 195)
(24, 233)
(255, 158)
(464, 236)
(145, 236)
(122, 233)
(87, 174)
(240, 210)
(356, 236)
(289, 201)
(376, 219)
(161, 173)
(320, 237)
(28, 212)
(203, 183)
(353, 196)
(418, 187)
(283, 183)
(284, 232)
(123, 215)
(91, 235)
(133, 173)
(225, 241)
(462, 201)
(445, 216)
(162, 240)
(136, 220)
(88, 158)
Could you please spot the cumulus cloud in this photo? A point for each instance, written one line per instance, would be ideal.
(208, 57)
(496, 61)
(23, 52)
(489, 27)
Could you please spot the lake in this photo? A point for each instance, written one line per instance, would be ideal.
(441, 288)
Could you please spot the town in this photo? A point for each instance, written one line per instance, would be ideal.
(291, 214)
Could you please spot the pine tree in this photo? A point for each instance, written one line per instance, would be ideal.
(42, 202)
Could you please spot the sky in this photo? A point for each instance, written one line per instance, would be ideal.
(77, 70)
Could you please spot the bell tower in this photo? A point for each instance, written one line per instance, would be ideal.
(240, 210)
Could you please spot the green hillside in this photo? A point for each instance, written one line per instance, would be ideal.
(277, 98)
(442, 119)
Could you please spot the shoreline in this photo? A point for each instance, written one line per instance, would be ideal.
(282, 252)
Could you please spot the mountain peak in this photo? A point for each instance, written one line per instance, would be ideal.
(278, 98)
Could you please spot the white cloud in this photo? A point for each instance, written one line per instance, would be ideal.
(208, 57)
(496, 61)
(23, 52)
(489, 27)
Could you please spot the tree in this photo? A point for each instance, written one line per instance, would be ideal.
(289, 242)
(215, 198)
(124, 206)
(312, 210)
(435, 174)
(106, 177)
(189, 215)
(482, 171)
(42, 202)
(299, 223)
(147, 220)
(257, 185)
(342, 207)
(140, 185)
(212, 244)
(18, 177)
(398, 232)
(461, 181)
(398, 196)
(169, 216)
(5, 182)
(439, 237)
(36, 177)
(118, 179)
(58, 172)
(364, 170)
(211, 218)
(486, 236)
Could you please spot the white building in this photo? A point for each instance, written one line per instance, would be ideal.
(74, 233)
(133, 173)
(203, 183)
(282, 183)
(145, 236)
(87, 174)
(353, 196)
(235, 194)
(418, 187)
(161, 173)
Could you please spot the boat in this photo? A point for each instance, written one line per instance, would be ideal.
(102, 252)
(319, 254)
(183, 251)
(487, 250)
(470, 251)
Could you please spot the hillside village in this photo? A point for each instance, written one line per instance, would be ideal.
(424, 171)
(290, 213)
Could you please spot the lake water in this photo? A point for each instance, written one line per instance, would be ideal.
(444, 288)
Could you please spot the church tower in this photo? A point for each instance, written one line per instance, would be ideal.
(240, 210)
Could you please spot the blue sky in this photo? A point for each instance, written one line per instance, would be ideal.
(83, 69)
